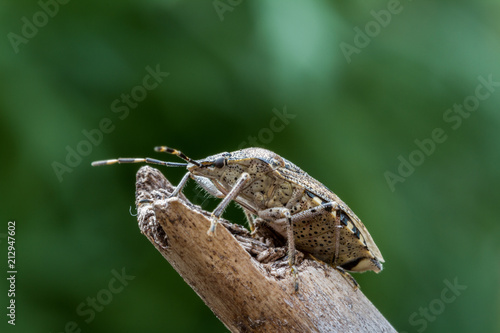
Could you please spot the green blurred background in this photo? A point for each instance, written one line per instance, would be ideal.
(241, 73)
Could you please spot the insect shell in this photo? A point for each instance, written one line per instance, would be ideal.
(312, 218)
(277, 182)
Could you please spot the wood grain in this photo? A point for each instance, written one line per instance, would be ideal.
(246, 294)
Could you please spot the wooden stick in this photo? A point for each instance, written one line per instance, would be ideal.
(246, 294)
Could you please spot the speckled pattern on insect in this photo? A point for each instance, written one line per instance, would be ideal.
(311, 217)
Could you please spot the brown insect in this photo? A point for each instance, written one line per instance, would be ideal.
(305, 212)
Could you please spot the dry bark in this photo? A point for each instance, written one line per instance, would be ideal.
(246, 294)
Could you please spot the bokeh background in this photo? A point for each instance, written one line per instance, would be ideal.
(298, 78)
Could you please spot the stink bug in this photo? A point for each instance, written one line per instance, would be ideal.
(268, 187)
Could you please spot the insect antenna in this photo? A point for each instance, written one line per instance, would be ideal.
(176, 152)
(148, 160)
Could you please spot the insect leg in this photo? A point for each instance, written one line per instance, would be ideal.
(176, 191)
(336, 233)
(291, 248)
(238, 186)
(327, 208)
(250, 219)
(277, 212)
(181, 185)
(312, 212)
(348, 277)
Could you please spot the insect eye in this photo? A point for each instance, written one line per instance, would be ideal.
(220, 162)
